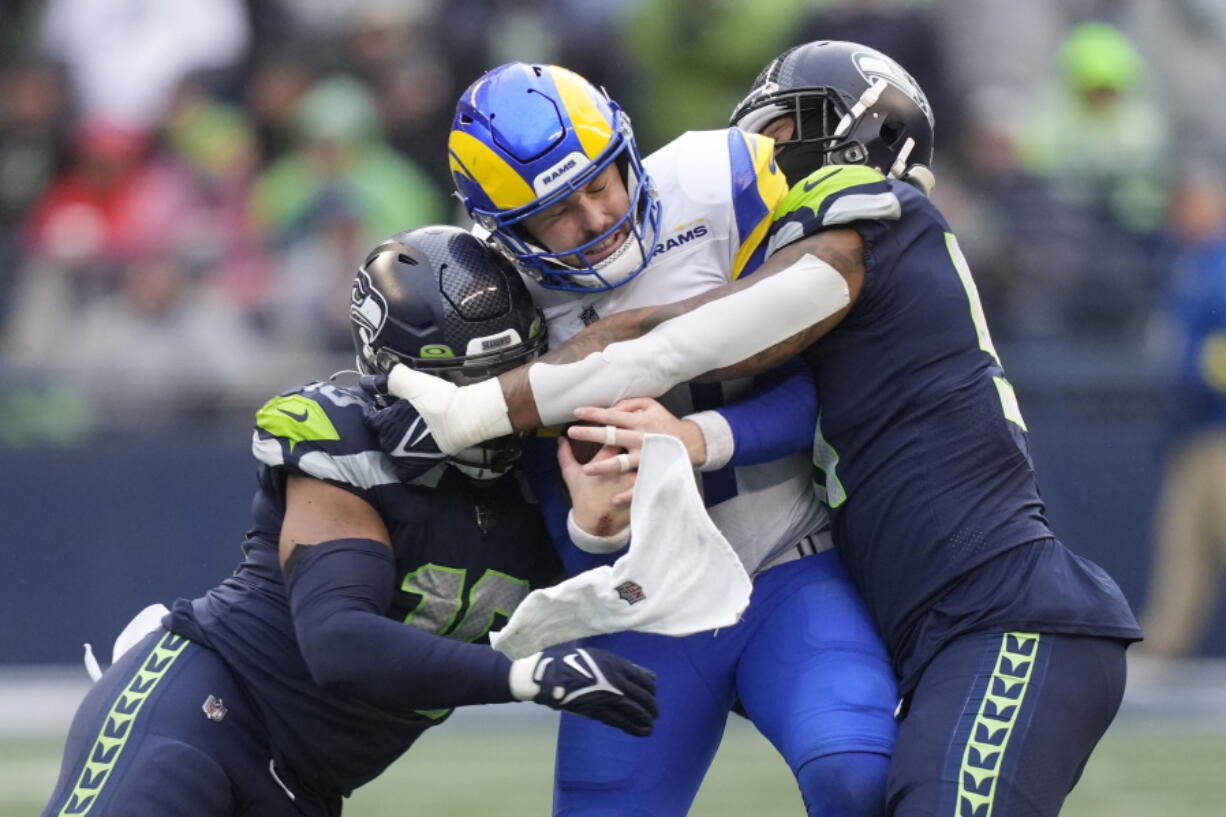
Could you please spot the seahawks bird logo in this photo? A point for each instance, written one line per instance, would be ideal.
(367, 306)
(873, 66)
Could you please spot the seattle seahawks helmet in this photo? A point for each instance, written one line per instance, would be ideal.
(851, 104)
(440, 300)
(527, 136)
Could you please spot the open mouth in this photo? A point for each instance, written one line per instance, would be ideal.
(607, 247)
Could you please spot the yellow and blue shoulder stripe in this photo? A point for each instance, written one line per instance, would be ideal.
(758, 187)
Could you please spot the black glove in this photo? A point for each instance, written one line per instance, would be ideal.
(403, 435)
(589, 682)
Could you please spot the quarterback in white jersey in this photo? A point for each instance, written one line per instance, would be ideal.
(707, 239)
(548, 166)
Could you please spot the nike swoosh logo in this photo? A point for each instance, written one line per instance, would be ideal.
(302, 418)
(810, 185)
(572, 661)
(408, 441)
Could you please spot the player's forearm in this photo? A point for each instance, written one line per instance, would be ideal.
(339, 594)
(776, 419)
(517, 386)
(400, 668)
(737, 322)
(841, 250)
(745, 327)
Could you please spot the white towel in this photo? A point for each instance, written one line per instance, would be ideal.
(680, 576)
(143, 623)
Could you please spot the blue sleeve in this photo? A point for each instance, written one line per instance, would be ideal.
(540, 467)
(777, 418)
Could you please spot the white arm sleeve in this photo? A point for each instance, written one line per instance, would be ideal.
(717, 334)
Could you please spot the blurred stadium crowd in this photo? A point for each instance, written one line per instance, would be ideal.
(186, 187)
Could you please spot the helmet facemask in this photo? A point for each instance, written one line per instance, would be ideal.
(569, 269)
(441, 301)
(528, 136)
(878, 128)
(490, 459)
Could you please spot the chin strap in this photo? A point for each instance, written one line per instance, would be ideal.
(921, 177)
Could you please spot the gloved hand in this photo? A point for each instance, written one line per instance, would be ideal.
(403, 435)
(458, 416)
(589, 682)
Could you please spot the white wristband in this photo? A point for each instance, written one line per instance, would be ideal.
(717, 434)
(591, 543)
(458, 416)
(523, 686)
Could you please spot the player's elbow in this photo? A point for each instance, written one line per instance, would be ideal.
(328, 654)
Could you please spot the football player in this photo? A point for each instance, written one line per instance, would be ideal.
(547, 165)
(358, 616)
(1009, 647)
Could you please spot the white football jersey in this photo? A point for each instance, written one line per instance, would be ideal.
(718, 190)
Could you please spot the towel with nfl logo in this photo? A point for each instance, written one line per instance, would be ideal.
(679, 576)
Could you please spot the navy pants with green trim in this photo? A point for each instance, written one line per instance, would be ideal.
(1002, 724)
(167, 730)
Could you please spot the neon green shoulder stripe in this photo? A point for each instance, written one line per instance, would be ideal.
(296, 418)
(824, 182)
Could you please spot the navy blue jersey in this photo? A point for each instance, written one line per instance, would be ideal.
(921, 450)
(466, 555)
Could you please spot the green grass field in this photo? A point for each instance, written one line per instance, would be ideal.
(463, 771)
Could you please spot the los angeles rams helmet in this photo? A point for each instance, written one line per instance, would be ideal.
(851, 105)
(527, 136)
(440, 300)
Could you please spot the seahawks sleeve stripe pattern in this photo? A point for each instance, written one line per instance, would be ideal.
(365, 470)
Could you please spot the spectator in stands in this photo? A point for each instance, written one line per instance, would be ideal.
(1098, 141)
(34, 123)
(1190, 536)
(327, 199)
(125, 60)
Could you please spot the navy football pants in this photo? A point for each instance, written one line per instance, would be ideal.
(1002, 724)
(142, 744)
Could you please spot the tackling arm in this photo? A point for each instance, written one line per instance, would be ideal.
(799, 294)
(340, 576)
(341, 589)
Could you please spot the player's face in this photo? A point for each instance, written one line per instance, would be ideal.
(781, 130)
(584, 215)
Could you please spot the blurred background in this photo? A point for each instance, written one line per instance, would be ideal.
(187, 187)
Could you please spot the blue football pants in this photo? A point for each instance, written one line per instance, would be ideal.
(807, 667)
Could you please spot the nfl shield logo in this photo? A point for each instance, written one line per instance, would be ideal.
(214, 709)
(630, 592)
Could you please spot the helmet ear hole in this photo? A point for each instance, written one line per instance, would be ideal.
(891, 133)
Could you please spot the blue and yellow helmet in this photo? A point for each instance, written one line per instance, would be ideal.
(527, 136)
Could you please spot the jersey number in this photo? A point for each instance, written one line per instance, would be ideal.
(442, 598)
(1008, 398)
(825, 459)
